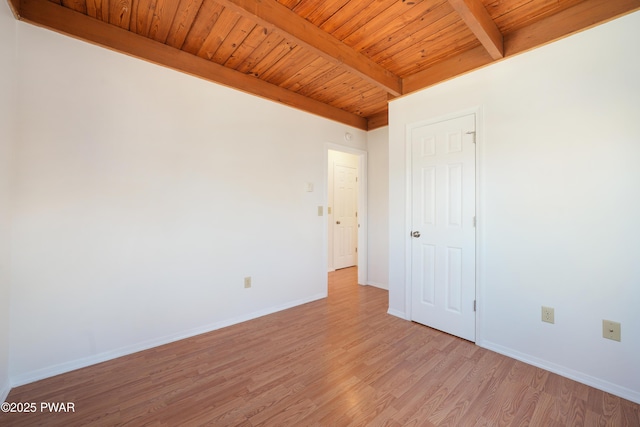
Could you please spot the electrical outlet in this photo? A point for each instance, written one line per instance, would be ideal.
(611, 330)
(548, 314)
(247, 282)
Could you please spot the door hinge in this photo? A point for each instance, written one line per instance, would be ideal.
(474, 135)
(474, 305)
(356, 250)
(474, 221)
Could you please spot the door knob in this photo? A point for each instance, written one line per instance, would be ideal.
(416, 234)
(337, 222)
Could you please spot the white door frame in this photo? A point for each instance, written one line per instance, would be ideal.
(362, 207)
(479, 214)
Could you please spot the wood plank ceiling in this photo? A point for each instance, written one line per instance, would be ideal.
(340, 59)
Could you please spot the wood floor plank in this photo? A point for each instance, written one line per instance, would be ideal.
(341, 361)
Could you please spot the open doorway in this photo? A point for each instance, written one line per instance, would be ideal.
(346, 210)
(342, 209)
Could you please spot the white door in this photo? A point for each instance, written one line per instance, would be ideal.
(345, 204)
(443, 226)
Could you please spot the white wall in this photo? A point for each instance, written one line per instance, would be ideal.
(144, 197)
(559, 197)
(378, 198)
(7, 138)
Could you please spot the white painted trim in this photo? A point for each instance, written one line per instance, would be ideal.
(480, 289)
(362, 206)
(397, 313)
(581, 377)
(479, 134)
(62, 368)
(4, 392)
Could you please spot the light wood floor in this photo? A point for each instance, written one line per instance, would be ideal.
(336, 362)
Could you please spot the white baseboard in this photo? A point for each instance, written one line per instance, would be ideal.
(378, 285)
(580, 377)
(50, 371)
(397, 313)
(5, 389)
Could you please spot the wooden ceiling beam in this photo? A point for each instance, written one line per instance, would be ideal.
(378, 120)
(474, 14)
(14, 5)
(449, 68)
(277, 17)
(58, 18)
(582, 16)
